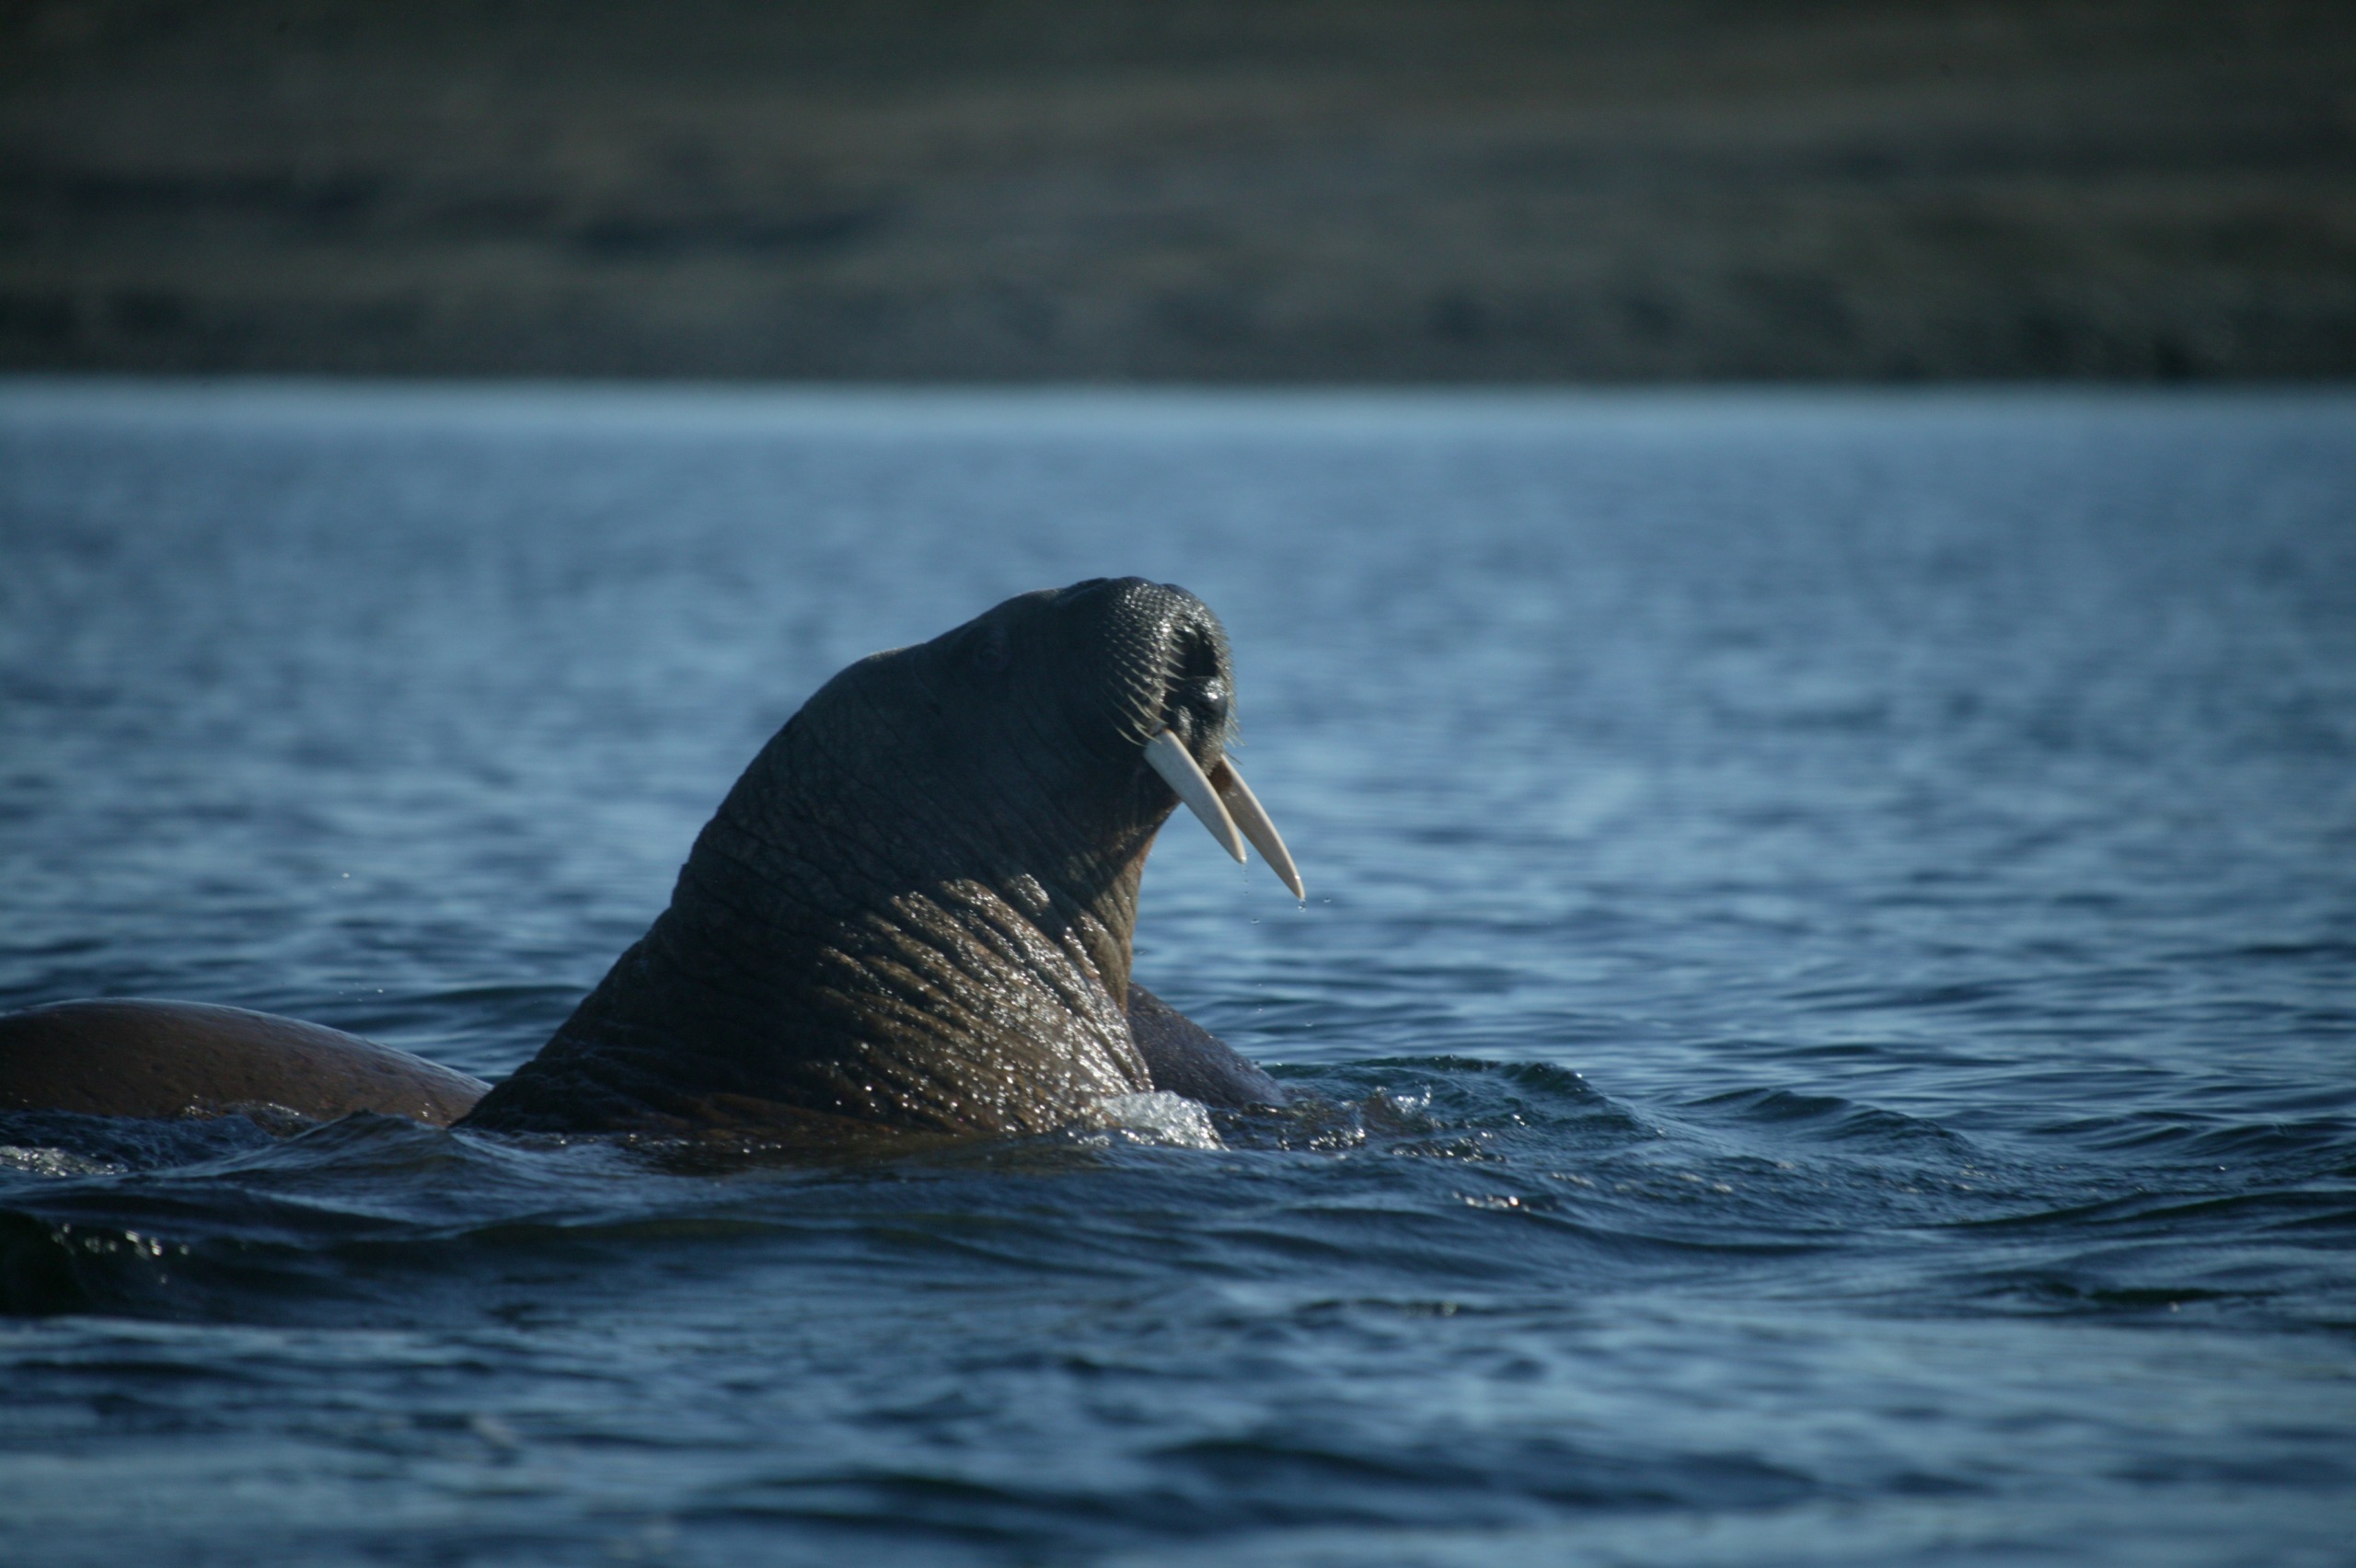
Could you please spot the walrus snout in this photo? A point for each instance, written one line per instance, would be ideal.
(1167, 662)
(1149, 657)
(1197, 687)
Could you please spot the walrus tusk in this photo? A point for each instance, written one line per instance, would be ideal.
(1253, 818)
(1169, 757)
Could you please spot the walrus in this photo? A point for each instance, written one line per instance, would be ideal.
(913, 910)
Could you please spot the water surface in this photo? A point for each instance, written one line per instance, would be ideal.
(1823, 1022)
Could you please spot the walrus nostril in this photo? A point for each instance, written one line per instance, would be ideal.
(1196, 655)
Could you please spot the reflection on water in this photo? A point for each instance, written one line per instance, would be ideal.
(1822, 1029)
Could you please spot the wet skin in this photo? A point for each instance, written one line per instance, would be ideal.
(913, 910)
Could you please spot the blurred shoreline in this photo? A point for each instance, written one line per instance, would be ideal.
(1279, 411)
(1196, 193)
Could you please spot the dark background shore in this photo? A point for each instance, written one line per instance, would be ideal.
(1395, 190)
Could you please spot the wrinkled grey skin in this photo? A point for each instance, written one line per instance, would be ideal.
(912, 912)
(915, 908)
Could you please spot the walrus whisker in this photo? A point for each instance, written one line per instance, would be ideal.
(1167, 756)
(1253, 818)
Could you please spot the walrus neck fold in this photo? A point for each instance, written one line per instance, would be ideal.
(916, 907)
(802, 964)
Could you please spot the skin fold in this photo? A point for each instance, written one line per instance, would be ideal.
(913, 911)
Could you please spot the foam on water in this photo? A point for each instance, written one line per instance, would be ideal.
(1159, 1117)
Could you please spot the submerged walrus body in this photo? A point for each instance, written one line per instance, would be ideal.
(913, 910)
(137, 1057)
(146, 1059)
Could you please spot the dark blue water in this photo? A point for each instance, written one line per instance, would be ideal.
(1825, 1022)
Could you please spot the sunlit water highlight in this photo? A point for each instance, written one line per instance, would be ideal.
(1824, 1021)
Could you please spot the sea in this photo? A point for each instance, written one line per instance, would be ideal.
(1823, 1031)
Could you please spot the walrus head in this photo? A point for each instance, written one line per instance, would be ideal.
(916, 905)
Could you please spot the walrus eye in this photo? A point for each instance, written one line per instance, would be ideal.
(1209, 698)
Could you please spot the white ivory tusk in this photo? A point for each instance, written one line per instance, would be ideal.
(1180, 772)
(1253, 818)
